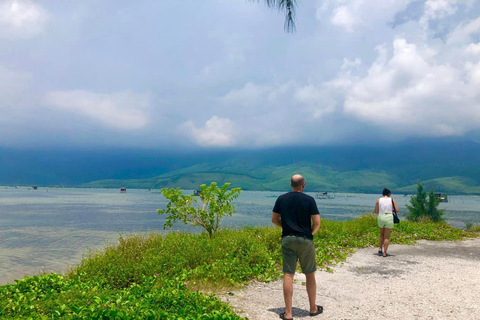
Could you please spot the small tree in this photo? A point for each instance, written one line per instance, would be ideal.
(216, 203)
(423, 207)
(432, 208)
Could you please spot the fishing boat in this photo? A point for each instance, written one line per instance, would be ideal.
(442, 196)
(325, 195)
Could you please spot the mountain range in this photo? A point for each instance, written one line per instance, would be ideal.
(442, 165)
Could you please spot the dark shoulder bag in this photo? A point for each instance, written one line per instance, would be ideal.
(395, 216)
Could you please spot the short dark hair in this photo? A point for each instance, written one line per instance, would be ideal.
(386, 192)
(295, 183)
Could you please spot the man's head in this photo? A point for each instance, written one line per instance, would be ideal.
(297, 183)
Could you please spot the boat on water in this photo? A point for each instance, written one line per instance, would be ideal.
(442, 196)
(196, 193)
(123, 190)
(325, 195)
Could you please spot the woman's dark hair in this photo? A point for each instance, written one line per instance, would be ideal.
(386, 192)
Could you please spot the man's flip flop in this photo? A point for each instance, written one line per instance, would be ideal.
(319, 310)
(282, 316)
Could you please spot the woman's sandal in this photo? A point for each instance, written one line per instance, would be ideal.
(380, 253)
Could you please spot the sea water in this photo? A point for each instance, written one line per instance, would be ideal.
(50, 229)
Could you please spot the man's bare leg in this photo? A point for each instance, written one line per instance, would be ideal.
(288, 294)
(312, 291)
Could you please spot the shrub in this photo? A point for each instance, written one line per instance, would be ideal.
(216, 203)
(422, 207)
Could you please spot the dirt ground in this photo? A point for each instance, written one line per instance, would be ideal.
(430, 280)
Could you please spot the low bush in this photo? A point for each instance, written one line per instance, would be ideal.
(156, 277)
(55, 297)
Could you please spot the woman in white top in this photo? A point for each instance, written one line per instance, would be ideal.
(384, 208)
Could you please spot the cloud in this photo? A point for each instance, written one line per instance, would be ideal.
(253, 94)
(355, 15)
(328, 97)
(13, 86)
(343, 76)
(464, 33)
(21, 19)
(343, 17)
(123, 110)
(438, 9)
(319, 100)
(413, 92)
(217, 132)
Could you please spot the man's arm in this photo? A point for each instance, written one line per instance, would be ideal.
(315, 223)
(276, 219)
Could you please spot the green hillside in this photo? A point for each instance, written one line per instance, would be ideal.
(319, 178)
(450, 185)
(443, 165)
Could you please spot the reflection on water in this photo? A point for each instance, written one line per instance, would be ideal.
(51, 228)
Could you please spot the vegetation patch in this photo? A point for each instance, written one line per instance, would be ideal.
(158, 277)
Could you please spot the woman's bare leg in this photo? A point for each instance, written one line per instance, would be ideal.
(382, 231)
(386, 240)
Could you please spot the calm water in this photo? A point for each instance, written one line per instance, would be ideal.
(50, 229)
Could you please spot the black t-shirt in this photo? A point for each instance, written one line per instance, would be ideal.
(295, 209)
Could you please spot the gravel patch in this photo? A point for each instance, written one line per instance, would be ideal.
(430, 280)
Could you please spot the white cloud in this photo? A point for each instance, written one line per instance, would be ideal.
(464, 33)
(320, 101)
(348, 64)
(437, 9)
(354, 15)
(343, 17)
(473, 49)
(217, 132)
(413, 93)
(123, 110)
(251, 93)
(13, 86)
(326, 98)
(21, 19)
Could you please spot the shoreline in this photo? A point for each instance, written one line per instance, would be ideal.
(428, 280)
(30, 186)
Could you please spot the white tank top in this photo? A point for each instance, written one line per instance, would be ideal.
(385, 205)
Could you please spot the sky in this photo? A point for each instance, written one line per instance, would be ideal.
(224, 74)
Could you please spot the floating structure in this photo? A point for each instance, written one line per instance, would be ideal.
(325, 195)
(442, 196)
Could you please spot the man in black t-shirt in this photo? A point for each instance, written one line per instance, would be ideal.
(297, 214)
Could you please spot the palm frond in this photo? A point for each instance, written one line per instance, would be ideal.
(288, 6)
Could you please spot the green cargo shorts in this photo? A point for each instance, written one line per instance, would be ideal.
(297, 248)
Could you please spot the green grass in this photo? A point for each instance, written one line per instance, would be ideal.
(158, 277)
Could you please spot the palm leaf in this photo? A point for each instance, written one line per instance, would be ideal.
(288, 6)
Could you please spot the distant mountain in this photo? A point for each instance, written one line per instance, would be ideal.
(447, 166)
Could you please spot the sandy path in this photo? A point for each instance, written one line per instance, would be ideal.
(431, 280)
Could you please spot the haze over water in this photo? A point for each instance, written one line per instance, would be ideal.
(49, 229)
